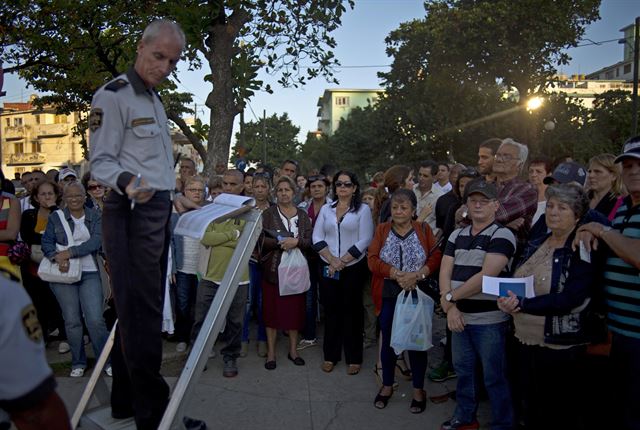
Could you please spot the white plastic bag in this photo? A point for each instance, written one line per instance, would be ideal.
(293, 273)
(49, 271)
(412, 322)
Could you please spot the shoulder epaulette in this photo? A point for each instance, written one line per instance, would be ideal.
(116, 85)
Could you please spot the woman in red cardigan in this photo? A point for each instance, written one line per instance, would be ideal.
(402, 253)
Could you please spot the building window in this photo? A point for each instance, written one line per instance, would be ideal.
(37, 119)
(17, 122)
(36, 146)
(8, 121)
(60, 119)
(627, 68)
(18, 148)
(617, 71)
(342, 101)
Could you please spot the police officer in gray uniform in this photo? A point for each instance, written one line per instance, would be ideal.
(27, 385)
(131, 152)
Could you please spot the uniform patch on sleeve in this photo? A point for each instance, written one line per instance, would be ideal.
(95, 119)
(142, 121)
(31, 324)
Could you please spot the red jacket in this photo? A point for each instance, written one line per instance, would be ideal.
(380, 269)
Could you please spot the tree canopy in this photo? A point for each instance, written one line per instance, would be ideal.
(69, 48)
(276, 135)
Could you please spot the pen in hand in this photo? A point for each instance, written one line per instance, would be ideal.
(136, 185)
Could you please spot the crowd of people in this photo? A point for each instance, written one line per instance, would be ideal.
(364, 245)
(564, 356)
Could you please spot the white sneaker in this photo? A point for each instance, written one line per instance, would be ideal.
(181, 347)
(77, 373)
(109, 371)
(64, 347)
(304, 344)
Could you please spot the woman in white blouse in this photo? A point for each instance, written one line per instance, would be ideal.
(341, 236)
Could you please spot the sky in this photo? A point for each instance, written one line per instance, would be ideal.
(360, 42)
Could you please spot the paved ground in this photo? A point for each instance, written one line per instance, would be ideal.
(292, 397)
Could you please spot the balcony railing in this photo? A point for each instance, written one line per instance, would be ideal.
(25, 158)
(15, 132)
(51, 130)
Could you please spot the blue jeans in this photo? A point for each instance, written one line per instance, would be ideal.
(417, 359)
(82, 298)
(254, 301)
(185, 293)
(485, 343)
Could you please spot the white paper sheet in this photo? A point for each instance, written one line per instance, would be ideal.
(521, 287)
(194, 223)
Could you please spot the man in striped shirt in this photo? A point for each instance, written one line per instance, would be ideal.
(622, 286)
(479, 327)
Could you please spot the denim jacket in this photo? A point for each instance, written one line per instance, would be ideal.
(572, 284)
(55, 234)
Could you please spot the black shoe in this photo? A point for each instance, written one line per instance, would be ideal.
(298, 361)
(418, 406)
(381, 399)
(193, 424)
(270, 365)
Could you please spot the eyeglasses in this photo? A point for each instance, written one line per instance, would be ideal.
(94, 187)
(340, 184)
(195, 190)
(481, 202)
(504, 157)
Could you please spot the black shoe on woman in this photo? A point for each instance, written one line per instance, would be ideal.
(418, 406)
(380, 402)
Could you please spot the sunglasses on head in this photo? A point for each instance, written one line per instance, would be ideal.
(316, 178)
(340, 184)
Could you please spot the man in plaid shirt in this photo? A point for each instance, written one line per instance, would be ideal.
(518, 198)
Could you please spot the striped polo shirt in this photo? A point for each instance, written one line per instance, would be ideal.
(469, 252)
(622, 280)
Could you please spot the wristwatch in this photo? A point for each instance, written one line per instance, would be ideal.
(449, 297)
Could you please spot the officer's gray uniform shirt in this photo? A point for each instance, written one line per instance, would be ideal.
(130, 135)
(23, 364)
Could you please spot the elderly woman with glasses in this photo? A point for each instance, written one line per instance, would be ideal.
(82, 299)
(341, 236)
(550, 327)
(185, 257)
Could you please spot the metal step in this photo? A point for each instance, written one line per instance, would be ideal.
(100, 419)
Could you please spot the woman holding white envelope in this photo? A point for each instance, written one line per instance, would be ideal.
(550, 327)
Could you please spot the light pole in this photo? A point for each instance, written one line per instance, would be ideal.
(636, 48)
(636, 58)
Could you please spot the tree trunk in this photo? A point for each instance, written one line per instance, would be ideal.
(222, 100)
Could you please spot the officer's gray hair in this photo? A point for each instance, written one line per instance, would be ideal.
(523, 151)
(159, 26)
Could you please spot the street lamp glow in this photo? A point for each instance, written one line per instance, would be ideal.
(534, 103)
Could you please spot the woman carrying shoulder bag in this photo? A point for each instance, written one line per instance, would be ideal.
(292, 228)
(84, 297)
